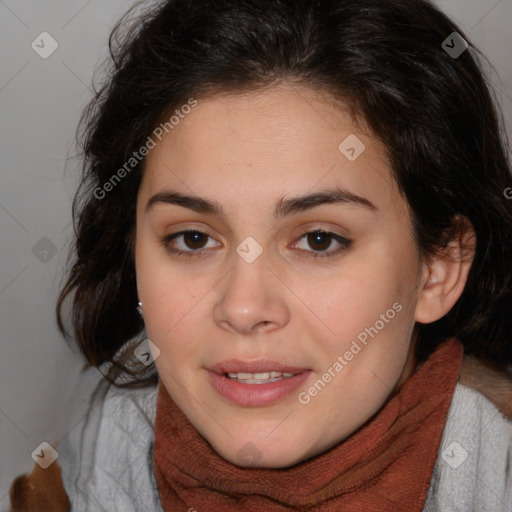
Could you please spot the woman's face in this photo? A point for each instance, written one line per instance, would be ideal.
(253, 293)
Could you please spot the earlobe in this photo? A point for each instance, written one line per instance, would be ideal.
(445, 275)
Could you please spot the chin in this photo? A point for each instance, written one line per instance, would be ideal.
(252, 455)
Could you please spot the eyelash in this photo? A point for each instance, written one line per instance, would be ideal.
(345, 244)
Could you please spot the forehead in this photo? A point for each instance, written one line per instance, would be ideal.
(283, 140)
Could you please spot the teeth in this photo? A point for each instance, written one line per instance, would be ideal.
(241, 376)
(260, 378)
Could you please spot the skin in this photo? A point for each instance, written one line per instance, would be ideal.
(247, 152)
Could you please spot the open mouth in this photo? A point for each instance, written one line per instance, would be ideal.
(259, 388)
(258, 378)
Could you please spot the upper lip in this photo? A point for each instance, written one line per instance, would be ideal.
(263, 365)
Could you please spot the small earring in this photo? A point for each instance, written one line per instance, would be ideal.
(139, 308)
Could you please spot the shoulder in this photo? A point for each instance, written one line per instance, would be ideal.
(107, 458)
(474, 466)
(135, 407)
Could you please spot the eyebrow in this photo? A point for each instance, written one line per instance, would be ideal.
(284, 207)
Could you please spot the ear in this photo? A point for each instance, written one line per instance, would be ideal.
(444, 275)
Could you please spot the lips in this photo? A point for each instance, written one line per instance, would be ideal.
(256, 395)
(262, 366)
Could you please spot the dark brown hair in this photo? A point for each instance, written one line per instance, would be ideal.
(434, 112)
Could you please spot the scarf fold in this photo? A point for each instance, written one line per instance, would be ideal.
(387, 464)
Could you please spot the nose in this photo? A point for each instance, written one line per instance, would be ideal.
(252, 298)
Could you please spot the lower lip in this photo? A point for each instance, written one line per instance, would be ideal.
(256, 394)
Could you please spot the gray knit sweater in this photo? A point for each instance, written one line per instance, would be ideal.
(107, 460)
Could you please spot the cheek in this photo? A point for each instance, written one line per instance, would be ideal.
(369, 311)
(168, 296)
(357, 295)
(173, 309)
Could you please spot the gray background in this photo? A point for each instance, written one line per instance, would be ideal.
(40, 101)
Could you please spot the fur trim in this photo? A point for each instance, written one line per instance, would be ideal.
(489, 380)
(40, 491)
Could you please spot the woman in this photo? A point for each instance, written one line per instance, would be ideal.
(306, 201)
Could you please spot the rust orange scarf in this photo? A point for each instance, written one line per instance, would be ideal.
(385, 465)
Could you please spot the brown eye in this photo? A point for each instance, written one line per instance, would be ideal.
(320, 241)
(189, 243)
(194, 239)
